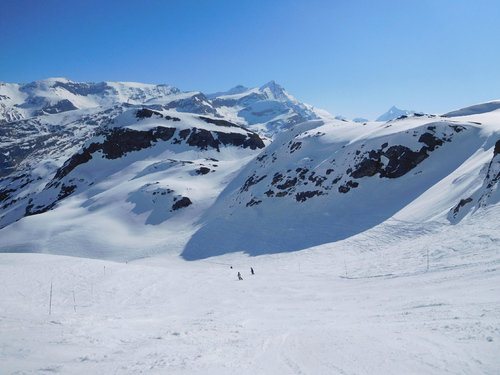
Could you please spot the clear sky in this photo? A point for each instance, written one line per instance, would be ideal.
(355, 58)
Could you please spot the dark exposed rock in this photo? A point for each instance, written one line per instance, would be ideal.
(348, 186)
(184, 133)
(202, 139)
(460, 204)
(163, 133)
(276, 178)
(5, 194)
(303, 196)
(343, 189)
(302, 172)
(295, 146)
(287, 184)
(220, 122)
(336, 180)
(182, 203)
(367, 167)
(202, 170)
(401, 160)
(252, 180)
(459, 128)
(497, 148)
(262, 157)
(269, 193)
(250, 140)
(66, 191)
(318, 180)
(253, 202)
(430, 140)
(147, 113)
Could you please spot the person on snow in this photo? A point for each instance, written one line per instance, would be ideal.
(239, 276)
(251, 270)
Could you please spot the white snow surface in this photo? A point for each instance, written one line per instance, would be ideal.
(380, 281)
(397, 299)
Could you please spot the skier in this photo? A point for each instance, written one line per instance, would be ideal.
(239, 276)
(251, 270)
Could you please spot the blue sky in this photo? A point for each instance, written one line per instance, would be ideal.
(354, 58)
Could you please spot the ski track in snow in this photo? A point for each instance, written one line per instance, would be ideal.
(365, 305)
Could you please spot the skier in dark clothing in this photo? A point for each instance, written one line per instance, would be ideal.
(251, 270)
(239, 276)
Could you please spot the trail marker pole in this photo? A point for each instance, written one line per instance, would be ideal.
(50, 299)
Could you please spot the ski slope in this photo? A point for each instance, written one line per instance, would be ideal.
(398, 299)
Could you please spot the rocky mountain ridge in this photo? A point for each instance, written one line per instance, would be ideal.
(195, 170)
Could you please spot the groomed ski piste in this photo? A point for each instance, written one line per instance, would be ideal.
(389, 301)
(91, 288)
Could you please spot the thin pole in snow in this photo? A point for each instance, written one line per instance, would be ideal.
(74, 300)
(50, 299)
(345, 265)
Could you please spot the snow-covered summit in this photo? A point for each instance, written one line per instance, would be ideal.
(393, 113)
(267, 110)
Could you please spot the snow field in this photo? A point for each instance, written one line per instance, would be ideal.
(371, 304)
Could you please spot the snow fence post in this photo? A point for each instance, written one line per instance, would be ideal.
(50, 299)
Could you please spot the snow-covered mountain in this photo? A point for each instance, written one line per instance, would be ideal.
(394, 113)
(375, 244)
(268, 110)
(176, 174)
(47, 122)
(333, 180)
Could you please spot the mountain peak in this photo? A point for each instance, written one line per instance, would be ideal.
(237, 90)
(393, 113)
(275, 91)
(271, 85)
